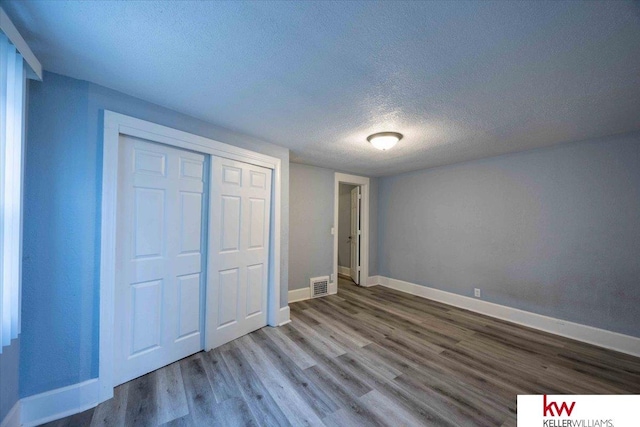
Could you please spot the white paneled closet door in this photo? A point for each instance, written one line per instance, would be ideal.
(238, 262)
(159, 277)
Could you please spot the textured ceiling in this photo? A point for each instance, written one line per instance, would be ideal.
(461, 80)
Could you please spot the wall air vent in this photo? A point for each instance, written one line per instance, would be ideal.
(319, 286)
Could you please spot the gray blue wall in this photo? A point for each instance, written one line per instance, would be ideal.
(311, 218)
(60, 311)
(344, 225)
(374, 198)
(554, 231)
(310, 222)
(9, 368)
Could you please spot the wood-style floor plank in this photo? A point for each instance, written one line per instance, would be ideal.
(222, 382)
(295, 353)
(367, 357)
(295, 408)
(171, 398)
(233, 412)
(141, 401)
(199, 393)
(113, 411)
(392, 413)
(351, 409)
(257, 396)
(313, 396)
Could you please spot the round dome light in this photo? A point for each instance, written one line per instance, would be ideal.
(384, 140)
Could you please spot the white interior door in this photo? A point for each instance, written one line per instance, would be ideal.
(159, 272)
(238, 250)
(354, 236)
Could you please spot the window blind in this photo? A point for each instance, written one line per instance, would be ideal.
(12, 101)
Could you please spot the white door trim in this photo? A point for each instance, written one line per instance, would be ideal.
(355, 234)
(116, 124)
(363, 182)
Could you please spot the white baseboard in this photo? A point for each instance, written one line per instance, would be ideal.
(284, 316)
(372, 281)
(346, 271)
(333, 288)
(59, 403)
(63, 402)
(299, 295)
(589, 334)
(12, 419)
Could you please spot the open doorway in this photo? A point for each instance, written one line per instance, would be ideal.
(351, 234)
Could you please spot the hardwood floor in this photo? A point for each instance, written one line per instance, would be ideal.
(368, 356)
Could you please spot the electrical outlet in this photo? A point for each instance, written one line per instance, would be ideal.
(476, 292)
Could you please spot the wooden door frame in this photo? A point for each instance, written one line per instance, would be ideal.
(364, 184)
(115, 125)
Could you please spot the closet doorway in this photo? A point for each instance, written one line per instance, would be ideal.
(190, 246)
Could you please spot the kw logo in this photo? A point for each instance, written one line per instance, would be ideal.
(547, 408)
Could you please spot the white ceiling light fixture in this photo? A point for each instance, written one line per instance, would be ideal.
(384, 140)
